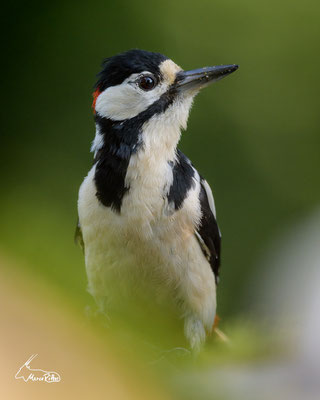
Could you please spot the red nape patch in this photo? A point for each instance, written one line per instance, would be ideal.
(95, 95)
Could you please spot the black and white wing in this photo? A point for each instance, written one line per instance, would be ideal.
(208, 233)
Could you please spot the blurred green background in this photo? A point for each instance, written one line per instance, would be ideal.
(255, 136)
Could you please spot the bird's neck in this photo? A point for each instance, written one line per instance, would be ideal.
(122, 145)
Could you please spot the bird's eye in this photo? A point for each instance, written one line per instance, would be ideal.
(147, 83)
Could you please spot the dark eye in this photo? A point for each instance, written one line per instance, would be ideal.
(147, 82)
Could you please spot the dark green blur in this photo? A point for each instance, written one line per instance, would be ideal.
(255, 135)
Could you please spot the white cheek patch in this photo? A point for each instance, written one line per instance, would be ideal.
(127, 100)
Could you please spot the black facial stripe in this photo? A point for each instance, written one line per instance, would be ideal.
(118, 68)
(183, 181)
(121, 139)
(112, 163)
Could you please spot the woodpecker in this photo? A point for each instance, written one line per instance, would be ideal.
(145, 213)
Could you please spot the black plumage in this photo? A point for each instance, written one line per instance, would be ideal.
(183, 174)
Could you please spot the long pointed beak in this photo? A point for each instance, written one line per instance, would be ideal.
(196, 79)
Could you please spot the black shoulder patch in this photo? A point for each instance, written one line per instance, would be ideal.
(209, 233)
(183, 174)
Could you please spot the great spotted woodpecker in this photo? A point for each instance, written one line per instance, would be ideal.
(145, 213)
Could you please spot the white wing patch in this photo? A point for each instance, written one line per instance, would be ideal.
(210, 197)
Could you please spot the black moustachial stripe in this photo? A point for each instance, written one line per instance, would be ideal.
(121, 139)
(112, 162)
(183, 174)
(209, 232)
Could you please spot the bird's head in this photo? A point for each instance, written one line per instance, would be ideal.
(139, 81)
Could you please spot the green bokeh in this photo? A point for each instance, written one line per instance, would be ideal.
(254, 136)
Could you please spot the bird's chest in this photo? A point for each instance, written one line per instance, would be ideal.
(142, 218)
(122, 243)
(145, 236)
(145, 203)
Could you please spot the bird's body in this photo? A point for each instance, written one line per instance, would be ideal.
(145, 213)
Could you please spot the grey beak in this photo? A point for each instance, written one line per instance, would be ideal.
(196, 79)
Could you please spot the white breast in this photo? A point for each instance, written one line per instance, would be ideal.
(145, 242)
